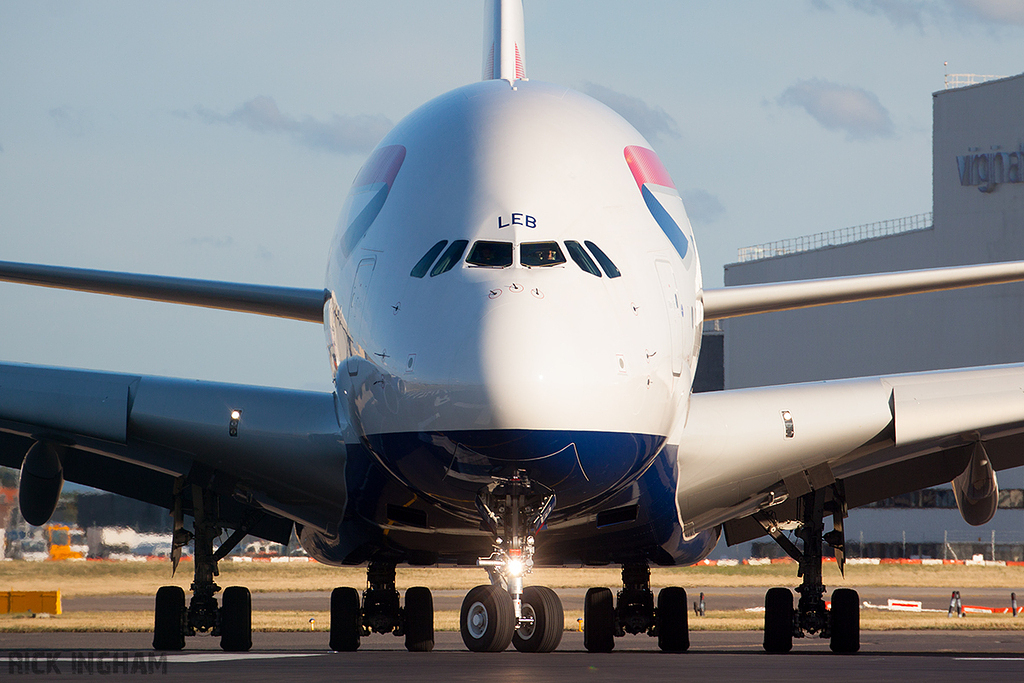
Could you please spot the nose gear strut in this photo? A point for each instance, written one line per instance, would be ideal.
(492, 617)
(514, 509)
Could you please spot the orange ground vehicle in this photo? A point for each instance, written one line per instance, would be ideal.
(58, 537)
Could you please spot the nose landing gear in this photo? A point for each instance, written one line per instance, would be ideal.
(505, 612)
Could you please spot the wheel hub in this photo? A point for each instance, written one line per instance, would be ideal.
(477, 620)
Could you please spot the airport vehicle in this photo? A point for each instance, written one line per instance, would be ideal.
(513, 314)
(61, 544)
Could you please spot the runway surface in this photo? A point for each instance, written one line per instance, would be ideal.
(892, 655)
(913, 655)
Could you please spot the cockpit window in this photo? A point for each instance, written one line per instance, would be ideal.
(423, 265)
(581, 257)
(449, 258)
(540, 254)
(606, 263)
(490, 254)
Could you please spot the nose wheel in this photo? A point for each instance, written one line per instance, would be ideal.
(492, 617)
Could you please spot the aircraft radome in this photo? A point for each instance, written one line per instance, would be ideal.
(512, 389)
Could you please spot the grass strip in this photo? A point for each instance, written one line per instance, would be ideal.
(448, 620)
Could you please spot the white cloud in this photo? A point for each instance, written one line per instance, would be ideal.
(338, 134)
(702, 207)
(653, 122)
(855, 111)
(998, 12)
(995, 14)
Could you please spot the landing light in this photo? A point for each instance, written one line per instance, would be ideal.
(236, 415)
(515, 567)
(787, 421)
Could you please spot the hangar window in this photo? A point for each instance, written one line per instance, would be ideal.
(581, 257)
(606, 263)
(532, 254)
(423, 265)
(490, 254)
(449, 258)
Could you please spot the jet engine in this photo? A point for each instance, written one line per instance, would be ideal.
(42, 478)
(976, 489)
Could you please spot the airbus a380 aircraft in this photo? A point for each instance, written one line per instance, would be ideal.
(513, 314)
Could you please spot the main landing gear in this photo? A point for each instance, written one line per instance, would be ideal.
(634, 612)
(380, 612)
(841, 623)
(504, 612)
(232, 621)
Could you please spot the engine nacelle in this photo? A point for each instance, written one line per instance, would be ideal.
(42, 478)
(976, 490)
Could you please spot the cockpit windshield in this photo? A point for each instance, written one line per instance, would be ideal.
(532, 254)
(490, 254)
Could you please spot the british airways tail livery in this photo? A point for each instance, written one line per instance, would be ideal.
(512, 311)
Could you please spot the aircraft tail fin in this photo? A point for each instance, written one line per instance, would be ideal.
(504, 40)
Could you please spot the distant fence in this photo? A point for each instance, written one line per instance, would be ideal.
(835, 238)
(1004, 546)
(962, 80)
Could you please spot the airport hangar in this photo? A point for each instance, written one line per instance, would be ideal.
(977, 217)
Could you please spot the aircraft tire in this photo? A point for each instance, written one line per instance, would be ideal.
(169, 622)
(545, 633)
(236, 620)
(673, 624)
(778, 620)
(487, 619)
(419, 620)
(345, 620)
(598, 620)
(845, 616)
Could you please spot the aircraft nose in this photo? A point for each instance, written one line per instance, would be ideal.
(537, 363)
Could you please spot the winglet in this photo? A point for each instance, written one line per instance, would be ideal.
(504, 40)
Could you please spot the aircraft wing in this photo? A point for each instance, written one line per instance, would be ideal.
(757, 450)
(282, 302)
(730, 302)
(276, 451)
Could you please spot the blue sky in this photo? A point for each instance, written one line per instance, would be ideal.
(218, 139)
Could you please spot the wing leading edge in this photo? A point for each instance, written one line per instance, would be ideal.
(757, 450)
(282, 302)
(276, 450)
(731, 302)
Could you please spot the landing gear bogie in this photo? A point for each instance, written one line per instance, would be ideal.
(841, 623)
(634, 612)
(232, 619)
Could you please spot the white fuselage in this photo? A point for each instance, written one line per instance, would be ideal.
(549, 349)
